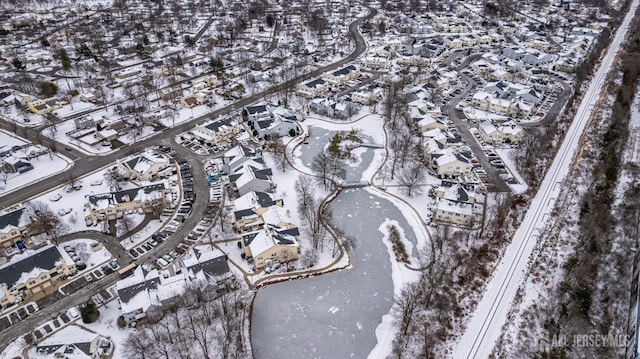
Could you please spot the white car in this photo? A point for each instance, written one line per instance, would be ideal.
(55, 198)
(96, 183)
(88, 277)
(73, 312)
(64, 211)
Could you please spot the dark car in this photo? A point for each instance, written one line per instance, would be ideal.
(134, 253)
(68, 149)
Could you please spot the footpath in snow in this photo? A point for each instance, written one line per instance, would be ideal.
(490, 315)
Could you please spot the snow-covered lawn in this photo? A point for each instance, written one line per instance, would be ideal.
(43, 166)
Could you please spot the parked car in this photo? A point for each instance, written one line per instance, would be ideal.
(55, 198)
(64, 211)
(88, 277)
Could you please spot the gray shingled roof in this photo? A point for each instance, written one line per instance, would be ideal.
(12, 218)
(45, 259)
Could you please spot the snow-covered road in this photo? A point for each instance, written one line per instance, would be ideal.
(490, 315)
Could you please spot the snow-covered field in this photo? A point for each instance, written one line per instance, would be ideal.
(43, 166)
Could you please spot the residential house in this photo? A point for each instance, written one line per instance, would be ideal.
(169, 94)
(249, 209)
(456, 191)
(450, 164)
(251, 177)
(147, 166)
(342, 76)
(330, 107)
(217, 132)
(76, 342)
(86, 122)
(38, 274)
(454, 212)
(14, 227)
(147, 293)
(44, 106)
(270, 246)
(367, 96)
(146, 199)
(267, 120)
(313, 88)
(507, 132)
(193, 100)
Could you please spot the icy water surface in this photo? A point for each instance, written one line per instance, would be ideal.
(333, 315)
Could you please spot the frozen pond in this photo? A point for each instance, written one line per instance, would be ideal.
(334, 315)
(320, 137)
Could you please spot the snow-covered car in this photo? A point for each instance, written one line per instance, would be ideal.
(96, 183)
(88, 277)
(162, 263)
(73, 312)
(55, 197)
(64, 211)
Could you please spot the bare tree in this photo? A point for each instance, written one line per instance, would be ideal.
(136, 346)
(45, 220)
(278, 148)
(125, 225)
(411, 177)
(321, 166)
(309, 209)
(407, 303)
(114, 178)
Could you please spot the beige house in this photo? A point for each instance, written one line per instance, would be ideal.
(35, 276)
(450, 164)
(508, 132)
(47, 105)
(147, 166)
(313, 88)
(111, 205)
(217, 131)
(249, 209)
(193, 100)
(342, 76)
(14, 227)
(453, 212)
(270, 246)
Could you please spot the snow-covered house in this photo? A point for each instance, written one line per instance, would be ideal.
(248, 210)
(14, 227)
(454, 212)
(267, 120)
(113, 204)
(270, 246)
(456, 191)
(251, 177)
(342, 76)
(76, 342)
(35, 275)
(148, 292)
(509, 132)
(450, 164)
(146, 166)
(313, 88)
(218, 131)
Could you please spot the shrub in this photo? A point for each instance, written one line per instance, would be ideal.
(89, 313)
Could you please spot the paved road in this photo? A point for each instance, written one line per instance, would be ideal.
(489, 317)
(87, 164)
(463, 127)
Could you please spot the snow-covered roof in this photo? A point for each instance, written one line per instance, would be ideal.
(265, 239)
(449, 206)
(42, 260)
